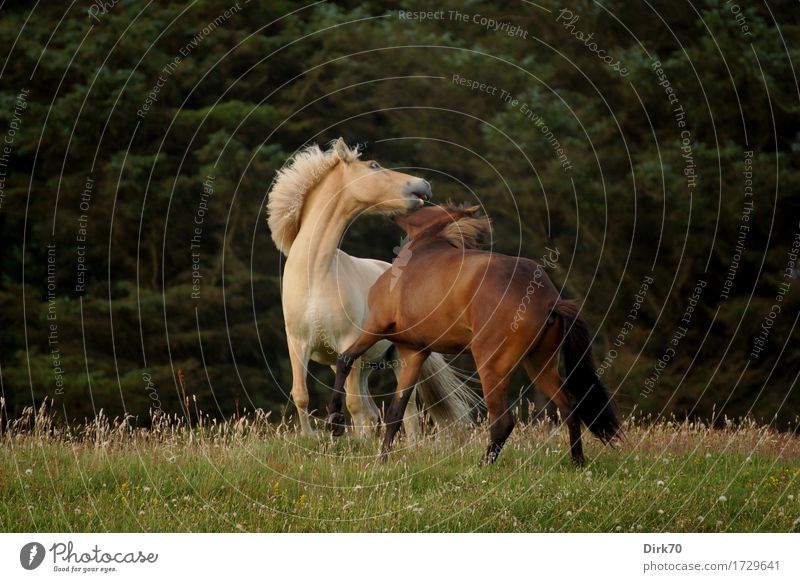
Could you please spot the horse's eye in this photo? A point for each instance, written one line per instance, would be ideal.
(374, 166)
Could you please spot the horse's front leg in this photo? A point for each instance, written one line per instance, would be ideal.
(411, 362)
(298, 355)
(344, 365)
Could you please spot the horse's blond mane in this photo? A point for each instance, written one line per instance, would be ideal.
(292, 184)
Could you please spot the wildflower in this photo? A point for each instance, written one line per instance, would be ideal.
(619, 528)
(665, 460)
(722, 499)
(141, 512)
(659, 483)
(78, 511)
(569, 514)
(660, 512)
(29, 471)
(708, 455)
(146, 489)
(700, 518)
(791, 497)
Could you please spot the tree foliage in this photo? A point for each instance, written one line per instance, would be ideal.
(139, 106)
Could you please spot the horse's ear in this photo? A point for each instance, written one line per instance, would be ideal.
(342, 150)
(473, 211)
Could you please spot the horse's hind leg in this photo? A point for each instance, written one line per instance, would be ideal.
(411, 415)
(360, 405)
(548, 380)
(298, 355)
(411, 419)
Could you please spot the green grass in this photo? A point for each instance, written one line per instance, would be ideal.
(253, 476)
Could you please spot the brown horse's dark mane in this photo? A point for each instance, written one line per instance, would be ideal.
(467, 232)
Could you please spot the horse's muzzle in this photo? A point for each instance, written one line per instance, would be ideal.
(420, 189)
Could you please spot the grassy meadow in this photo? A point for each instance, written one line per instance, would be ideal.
(253, 475)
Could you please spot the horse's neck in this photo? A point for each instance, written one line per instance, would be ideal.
(324, 220)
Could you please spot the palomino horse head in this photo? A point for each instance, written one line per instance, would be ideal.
(373, 188)
(315, 177)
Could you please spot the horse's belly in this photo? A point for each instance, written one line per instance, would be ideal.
(321, 353)
(323, 356)
(449, 339)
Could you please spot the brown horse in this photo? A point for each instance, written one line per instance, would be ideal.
(444, 295)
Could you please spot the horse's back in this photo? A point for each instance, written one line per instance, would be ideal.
(445, 297)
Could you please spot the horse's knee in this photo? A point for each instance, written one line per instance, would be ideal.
(300, 398)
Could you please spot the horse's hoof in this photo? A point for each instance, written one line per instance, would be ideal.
(490, 456)
(579, 461)
(335, 423)
(487, 460)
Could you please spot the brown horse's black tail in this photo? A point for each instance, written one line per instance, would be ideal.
(590, 397)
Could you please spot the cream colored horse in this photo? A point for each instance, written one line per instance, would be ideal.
(312, 200)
